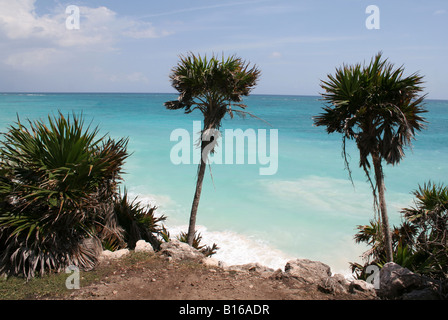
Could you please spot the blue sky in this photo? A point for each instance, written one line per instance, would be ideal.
(131, 46)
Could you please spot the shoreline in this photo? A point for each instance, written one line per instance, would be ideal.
(240, 249)
(237, 248)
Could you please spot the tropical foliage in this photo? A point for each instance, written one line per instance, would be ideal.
(58, 182)
(380, 109)
(206, 250)
(60, 204)
(420, 243)
(215, 87)
(139, 222)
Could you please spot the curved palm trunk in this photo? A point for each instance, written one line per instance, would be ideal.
(379, 177)
(197, 197)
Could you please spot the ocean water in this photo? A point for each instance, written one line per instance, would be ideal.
(307, 209)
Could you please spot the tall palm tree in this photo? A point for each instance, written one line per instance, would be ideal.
(379, 108)
(214, 86)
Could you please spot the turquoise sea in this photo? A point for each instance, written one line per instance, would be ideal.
(308, 209)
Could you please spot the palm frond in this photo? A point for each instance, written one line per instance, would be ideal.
(58, 181)
(212, 85)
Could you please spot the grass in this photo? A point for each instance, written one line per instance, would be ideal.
(49, 286)
(53, 285)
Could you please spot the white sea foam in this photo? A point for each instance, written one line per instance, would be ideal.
(234, 248)
(237, 249)
(160, 201)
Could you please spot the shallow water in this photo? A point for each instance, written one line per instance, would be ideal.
(307, 209)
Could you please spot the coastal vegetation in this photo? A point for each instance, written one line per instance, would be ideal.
(60, 197)
(215, 87)
(380, 109)
(60, 202)
(420, 243)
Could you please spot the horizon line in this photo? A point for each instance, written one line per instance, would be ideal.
(173, 93)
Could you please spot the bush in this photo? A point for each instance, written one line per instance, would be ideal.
(197, 239)
(208, 251)
(139, 222)
(420, 243)
(57, 186)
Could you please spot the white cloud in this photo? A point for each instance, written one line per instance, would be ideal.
(439, 12)
(38, 57)
(39, 52)
(18, 19)
(203, 8)
(143, 30)
(33, 42)
(98, 26)
(276, 55)
(136, 77)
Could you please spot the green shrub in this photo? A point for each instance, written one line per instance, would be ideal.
(138, 221)
(57, 186)
(420, 243)
(197, 239)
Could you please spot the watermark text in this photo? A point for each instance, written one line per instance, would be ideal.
(234, 147)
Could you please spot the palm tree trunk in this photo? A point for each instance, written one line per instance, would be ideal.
(197, 197)
(379, 177)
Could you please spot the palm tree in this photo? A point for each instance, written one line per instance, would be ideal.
(214, 86)
(380, 109)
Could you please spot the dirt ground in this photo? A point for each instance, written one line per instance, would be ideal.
(155, 278)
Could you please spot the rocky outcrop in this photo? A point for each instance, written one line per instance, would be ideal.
(299, 272)
(303, 273)
(107, 254)
(177, 250)
(143, 246)
(307, 271)
(395, 282)
(251, 268)
(314, 273)
(400, 283)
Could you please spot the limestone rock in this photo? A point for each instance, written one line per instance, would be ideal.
(336, 284)
(277, 275)
(212, 262)
(106, 254)
(250, 267)
(177, 250)
(307, 271)
(361, 286)
(143, 246)
(397, 282)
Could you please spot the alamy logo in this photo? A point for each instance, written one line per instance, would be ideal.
(373, 20)
(73, 20)
(72, 281)
(374, 278)
(228, 149)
